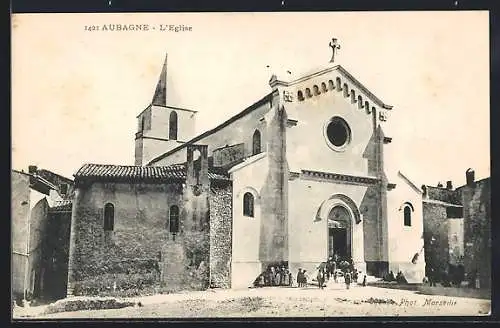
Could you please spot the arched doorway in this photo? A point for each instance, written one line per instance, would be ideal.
(340, 232)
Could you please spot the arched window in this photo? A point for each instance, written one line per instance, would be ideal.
(109, 217)
(337, 82)
(331, 86)
(407, 214)
(367, 106)
(248, 204)
(256, 143)
(300, 96)
(360, 102)
(346, 90)
(316, 90)
(308, 93)
(172, 126)
(323, 87)
(353, 96)
(174, 219)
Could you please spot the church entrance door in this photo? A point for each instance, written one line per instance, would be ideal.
(339, 233)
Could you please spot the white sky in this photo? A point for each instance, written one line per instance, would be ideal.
(76, 93)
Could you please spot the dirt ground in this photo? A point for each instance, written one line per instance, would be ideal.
(333, 301)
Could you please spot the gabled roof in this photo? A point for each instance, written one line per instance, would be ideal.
(106, 172)
(413, 185)
(348, 75)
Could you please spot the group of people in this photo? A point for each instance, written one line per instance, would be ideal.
(329, 269)
(274, 276)
(280, 275)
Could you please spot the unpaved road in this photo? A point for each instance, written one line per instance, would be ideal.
(334, 301)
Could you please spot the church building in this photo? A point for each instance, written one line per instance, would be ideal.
(291, 180)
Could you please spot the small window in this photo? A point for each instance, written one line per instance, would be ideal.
(308, 93)
(64, 189)
(256, 143)
(407, 215)
(109, 217)
(353, 96)
(142, 123)
(174, 219)
(331, 86)
(172, 126)
(346, 90)
(367, 106)
(360, 102)
(454, 212)
(323, 87)
(300, 96)
(248, 204)
(337, 82)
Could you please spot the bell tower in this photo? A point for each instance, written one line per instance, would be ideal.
(161, 127)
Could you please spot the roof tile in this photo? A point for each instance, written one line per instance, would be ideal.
(118, 172)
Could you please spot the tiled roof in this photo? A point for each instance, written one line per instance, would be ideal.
(62, 206)
(122, 172)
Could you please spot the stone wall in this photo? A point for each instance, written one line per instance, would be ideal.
(220, 236)
(141, 255)
(228, 155)
(443, 194)
(476, 199)
(56, 254)
(435, 237)
(20, 199)
(37, 236)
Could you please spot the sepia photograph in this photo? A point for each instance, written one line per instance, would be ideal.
(250, 165)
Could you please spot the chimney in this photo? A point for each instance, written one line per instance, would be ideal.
(449, 185)
(469, 177)
(197, 168)
(424, 189)
(32, 169)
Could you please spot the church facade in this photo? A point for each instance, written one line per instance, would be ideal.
(293, 179)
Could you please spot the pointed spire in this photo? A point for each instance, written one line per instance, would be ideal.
(160, 96)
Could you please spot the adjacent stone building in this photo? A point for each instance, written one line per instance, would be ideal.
(457, 225)
(144, 229)
(34, 194)
(476, 199)
(443, 228)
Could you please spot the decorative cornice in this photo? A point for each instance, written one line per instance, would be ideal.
(337, 177)
(387, 140)
(347, 75)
